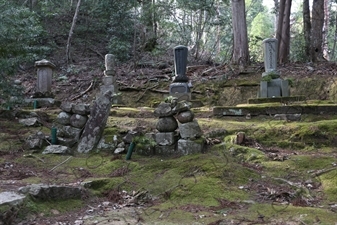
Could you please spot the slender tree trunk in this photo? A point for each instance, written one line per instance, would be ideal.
(306, 26)
(283, 31)
(277, 11)
(198, 34)
(240, 48)
(71, 31)
(316, 31)
(326, 30)
(335, 38)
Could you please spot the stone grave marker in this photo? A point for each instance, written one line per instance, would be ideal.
(270, 56)
(272, 85)
(44, 76)
(100, 109)
(109, 79)
(180, 88)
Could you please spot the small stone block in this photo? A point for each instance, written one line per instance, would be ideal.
(188, 147)
(168, 138)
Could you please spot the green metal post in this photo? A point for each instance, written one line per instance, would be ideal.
(53, 135)
(130, 150)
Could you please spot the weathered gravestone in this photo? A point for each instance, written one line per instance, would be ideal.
(44, 77)
(109, 79)
(100, 109)
(180, 87)
(272, 85)
(95, 126)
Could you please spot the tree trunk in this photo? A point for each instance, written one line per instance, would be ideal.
(148, 17)
(283, 31)
(326, 30)
(316, 31)
(306, 26)
(71, 31)
(335, 38)
(240, 49)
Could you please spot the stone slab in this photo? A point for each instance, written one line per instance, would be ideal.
(11, 198)
(272, 110)
(274, 91)
(283, 99)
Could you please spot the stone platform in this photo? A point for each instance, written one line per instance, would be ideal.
(256, 110)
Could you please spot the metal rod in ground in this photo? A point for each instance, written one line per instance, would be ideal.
(130, 150)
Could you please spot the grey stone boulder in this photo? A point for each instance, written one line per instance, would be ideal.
(181, 106)
(56, 149)
(185, 116)
(69, 132)
(78, 121)
(167, 124)
(35, 141)
(163, 109)
(81, 108)
(66, 106)
(52, 192)
(190, 130)
(63, 118)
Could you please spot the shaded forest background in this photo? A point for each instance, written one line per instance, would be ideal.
(70, 32)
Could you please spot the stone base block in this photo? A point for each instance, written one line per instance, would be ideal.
(166, 150)
(169, 138)
(180, 91)
(188, 147)
(148, 151)
(190, 130)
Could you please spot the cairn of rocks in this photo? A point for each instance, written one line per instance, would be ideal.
(173, 115)
(70, 122)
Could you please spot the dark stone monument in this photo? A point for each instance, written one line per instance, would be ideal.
(180, 87)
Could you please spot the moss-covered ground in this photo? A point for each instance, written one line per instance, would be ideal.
(283, 174)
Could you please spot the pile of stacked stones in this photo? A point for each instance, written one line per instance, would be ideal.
(187, 140)
(70, 122)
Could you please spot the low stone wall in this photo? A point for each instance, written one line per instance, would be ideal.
(70, 122)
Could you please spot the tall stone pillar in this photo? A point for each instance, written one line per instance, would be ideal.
(44, 77)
